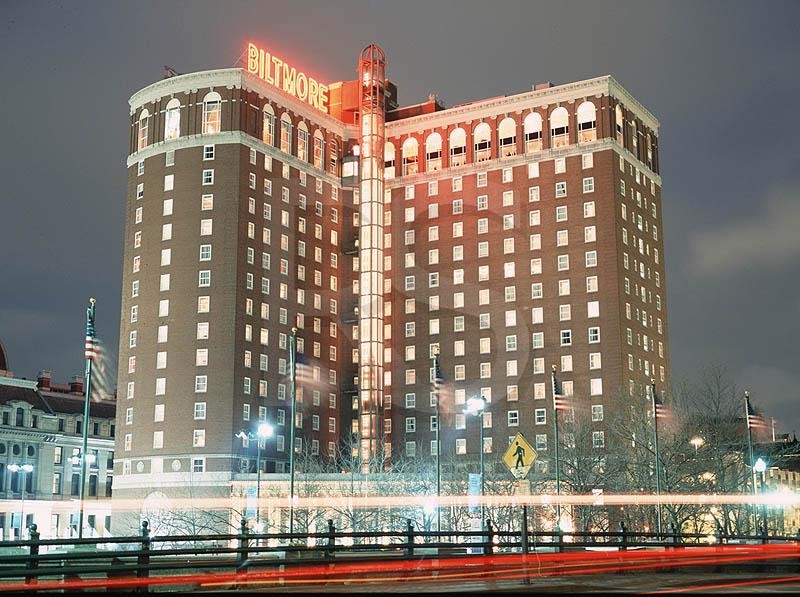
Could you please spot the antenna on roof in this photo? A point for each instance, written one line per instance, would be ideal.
(170, 72)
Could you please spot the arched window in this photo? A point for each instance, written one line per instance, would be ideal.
(286, 133)
(533, 132)
(619, 124)
(268, 125)
(319, 149)
(144, 125)
(333, 158)
(559, 127)
(634, 139)
(507, 135)
(482, 138)
(433, 152)
(388, 160)
(172, 120)
(458, 147)
(587, 122)
(212, 113)
(410, 151)
(302, 141)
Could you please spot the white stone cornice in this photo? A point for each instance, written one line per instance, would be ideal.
(632, 103)
(18, 383)
(227, 138)
(225, 77)
(236, 78)
(521, 102)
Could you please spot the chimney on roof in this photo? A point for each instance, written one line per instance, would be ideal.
(76, 384)
(545, 85)
(43, 381)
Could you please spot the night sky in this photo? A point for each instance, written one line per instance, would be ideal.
(720, 76)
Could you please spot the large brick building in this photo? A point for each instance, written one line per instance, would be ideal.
(509, 235)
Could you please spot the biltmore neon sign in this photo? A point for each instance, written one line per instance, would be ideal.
(275, 71)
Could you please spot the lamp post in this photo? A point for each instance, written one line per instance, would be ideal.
(760, 466)
(292, 381)
(476, 406)
(697, 442)
(263, 431)
(23, 468)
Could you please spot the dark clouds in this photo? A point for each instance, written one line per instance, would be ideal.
(720, 76)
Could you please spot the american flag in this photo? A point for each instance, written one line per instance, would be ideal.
(104, 374)
(755, 420)
(303, 372)
(438, 378)
(89, 346)
(661, 410)
(560, 400)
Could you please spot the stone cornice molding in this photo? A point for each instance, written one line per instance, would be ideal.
(495, 107)
(231, 137)
(235, 78)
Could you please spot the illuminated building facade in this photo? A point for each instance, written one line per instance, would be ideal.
(40, 445)
(507, 234)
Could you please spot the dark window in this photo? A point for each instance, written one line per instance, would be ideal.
(92, 487)
(90, 521)
(35, 421)
(61, 424)
(109, 484)
(108, 524)
(75, 490)
(78, 427)
(15, 482)
(110, 461)
(113, 428)
(28, 482)
(31, 451)
(20, 417)
(2, 479)
(5, 418)
(96, 429)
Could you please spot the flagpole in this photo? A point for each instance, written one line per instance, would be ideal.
(89, 355)
(436, 385)
(747, 410)
(558, 468)
(292, 375)
(652, 389)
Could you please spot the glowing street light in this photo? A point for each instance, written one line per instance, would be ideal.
(263, 431)
(476, 406)
(760, 467)
(697, 442)
(23, 468)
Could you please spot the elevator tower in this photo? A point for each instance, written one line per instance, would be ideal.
(372, 113)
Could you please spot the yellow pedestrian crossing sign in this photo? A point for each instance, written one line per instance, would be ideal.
(519, 456)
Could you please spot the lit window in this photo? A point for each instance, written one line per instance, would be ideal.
(212, 113)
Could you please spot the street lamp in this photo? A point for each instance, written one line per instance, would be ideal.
(760, 466)
(476, 406)
(23, 468)
(697, 442)
(263, 431)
